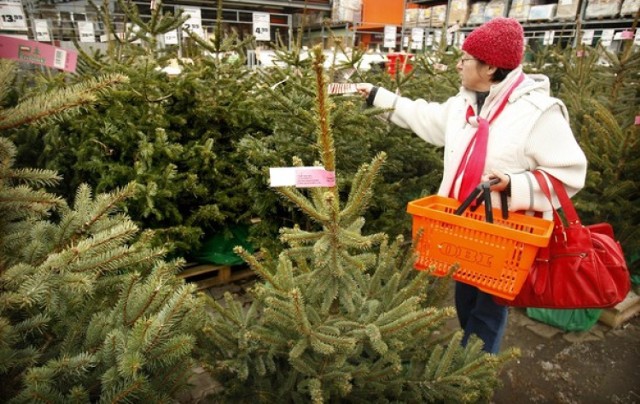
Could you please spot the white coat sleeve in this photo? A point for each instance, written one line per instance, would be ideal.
(425, 119)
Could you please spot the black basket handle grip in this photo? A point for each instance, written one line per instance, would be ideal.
(482, 193)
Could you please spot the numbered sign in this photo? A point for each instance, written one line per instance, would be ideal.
(171, 37)
(587, 36)
(12, 16)
(42, 30)
(548, 37)
(390, 36)
(262, 26)
(607, 37)
(417, 38)
(194, 23)
(86, 31)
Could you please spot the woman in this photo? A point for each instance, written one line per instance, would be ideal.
(502, 124)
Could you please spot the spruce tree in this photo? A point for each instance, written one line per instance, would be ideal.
(86, 313)
(413, 167)
(173, 135)
(601, 90)
(341, 316)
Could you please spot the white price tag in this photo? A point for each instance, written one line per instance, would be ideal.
(587, 36)
(171, 37)
(86, 31)
(42, 30)
(262, 26)
(12, 17)
(390, 36)
(417, 38)
(194, 23)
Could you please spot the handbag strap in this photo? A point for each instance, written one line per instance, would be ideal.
(565, 202)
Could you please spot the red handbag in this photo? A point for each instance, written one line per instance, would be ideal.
(583, 266)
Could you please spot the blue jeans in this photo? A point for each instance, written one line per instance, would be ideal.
(480, 315)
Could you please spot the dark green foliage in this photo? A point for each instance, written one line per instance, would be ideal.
(174, 136)
(602, 93)
(342, 316)
(86, 313)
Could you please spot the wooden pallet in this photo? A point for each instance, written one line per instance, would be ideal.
(622, 312)
(208, 275)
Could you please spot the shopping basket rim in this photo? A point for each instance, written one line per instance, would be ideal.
(430, 208)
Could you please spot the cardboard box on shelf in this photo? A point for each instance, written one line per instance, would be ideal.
(458, 13)
(495, 8)
(567, 10)
(476, 14)
(602, 8)
(520, 9)
(424, 16)
(346, 11)
(630, 7)
(411, 15)
(438, 15)
(542, 12)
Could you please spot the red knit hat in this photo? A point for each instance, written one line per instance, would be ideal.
(499, 43)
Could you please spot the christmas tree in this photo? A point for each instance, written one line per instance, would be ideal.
(341, 316)
(86, 314)
(601, 90)
(173, 135)
(413, 168)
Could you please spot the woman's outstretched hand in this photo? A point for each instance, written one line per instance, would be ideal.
(364, 88)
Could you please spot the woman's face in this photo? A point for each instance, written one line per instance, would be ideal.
(474, 74)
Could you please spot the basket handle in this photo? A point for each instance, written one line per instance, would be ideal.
(482, 193)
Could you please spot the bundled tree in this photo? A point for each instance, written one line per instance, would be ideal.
(342, 316)
(85, 314)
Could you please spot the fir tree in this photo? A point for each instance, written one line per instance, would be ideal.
(174, 136)
(341, 316)
(86, 314)
(602, 92)
(413, 168)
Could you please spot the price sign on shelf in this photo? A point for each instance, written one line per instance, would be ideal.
(262, 26)
(12, 17)
(390, 36)
(86, 31)
(194, 23)
(42, 30)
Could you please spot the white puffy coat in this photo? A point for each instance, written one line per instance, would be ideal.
(532, 132)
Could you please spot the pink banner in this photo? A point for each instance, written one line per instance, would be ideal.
(37, 53)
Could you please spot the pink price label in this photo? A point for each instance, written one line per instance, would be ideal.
(315, 177)
(38, 53)
(637, 120)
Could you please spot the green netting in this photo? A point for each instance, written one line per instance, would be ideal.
(218, 248)
(566, 319)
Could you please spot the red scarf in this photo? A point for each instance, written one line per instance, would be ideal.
(474, 159)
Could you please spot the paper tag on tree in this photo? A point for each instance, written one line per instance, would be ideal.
(301, 177)
(342, 88)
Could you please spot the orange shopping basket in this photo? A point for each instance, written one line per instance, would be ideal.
(494, 257)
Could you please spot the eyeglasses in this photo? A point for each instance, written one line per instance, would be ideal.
(462, 60)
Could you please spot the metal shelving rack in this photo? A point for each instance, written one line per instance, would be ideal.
(567, 30)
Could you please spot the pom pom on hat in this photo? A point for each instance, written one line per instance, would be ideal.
(499, 43)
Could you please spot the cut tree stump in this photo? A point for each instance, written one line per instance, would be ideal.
(209, 275)
(622, 312)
